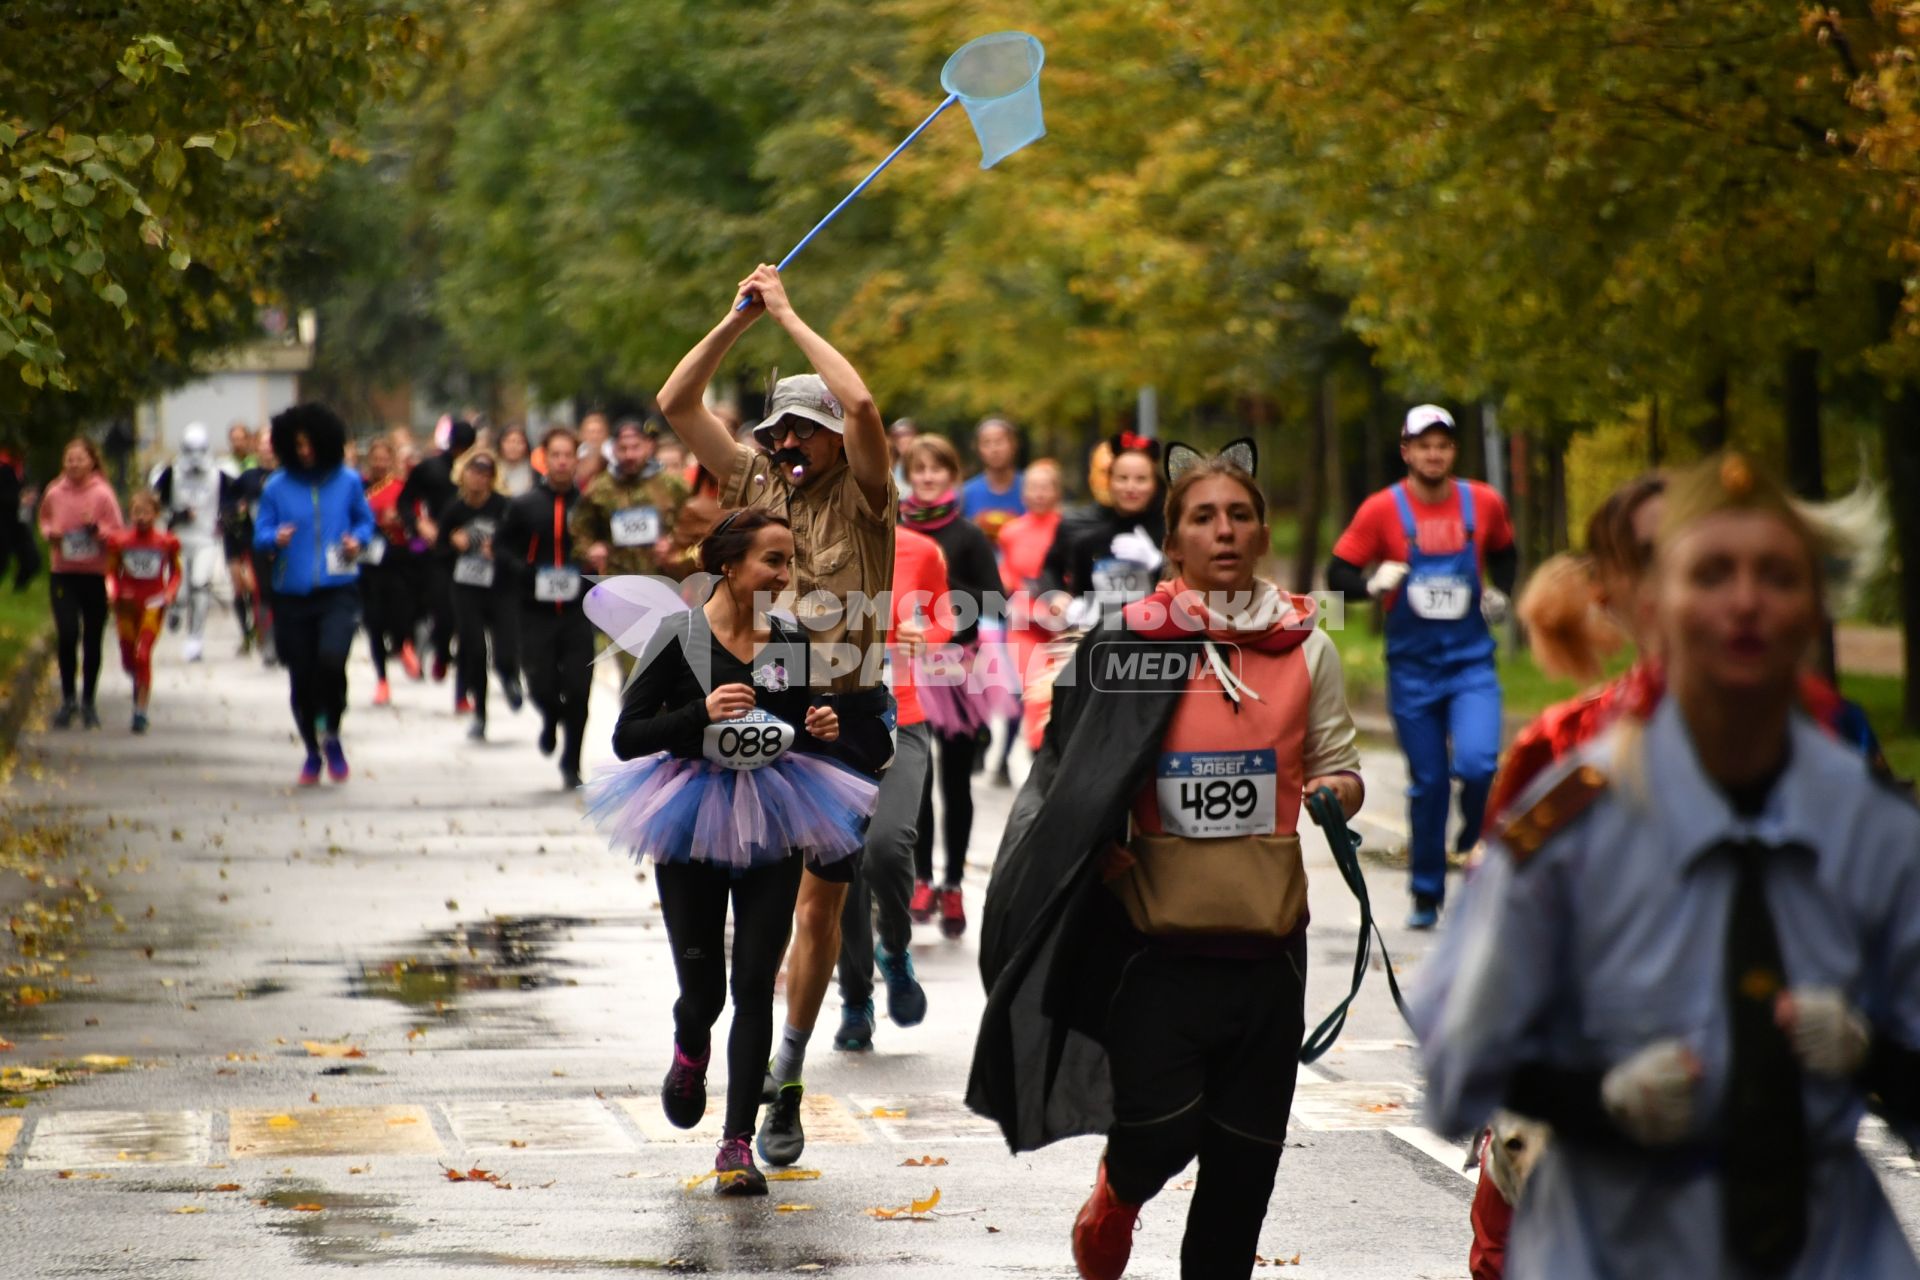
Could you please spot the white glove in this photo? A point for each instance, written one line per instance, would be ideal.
(1650, 1095)
(1494, 605)
(1829, 1036)
(1389, 575)
(1139, 548)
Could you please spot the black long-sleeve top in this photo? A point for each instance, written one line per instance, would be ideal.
(665, 708)
(528, 537)
(1085, 538)
(972, 572)
(485, 523)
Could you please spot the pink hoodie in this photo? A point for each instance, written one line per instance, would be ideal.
(67, 508)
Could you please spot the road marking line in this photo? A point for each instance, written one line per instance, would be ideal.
(1428, 1143)
(114, 1139)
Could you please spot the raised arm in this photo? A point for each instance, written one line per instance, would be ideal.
(683, 399)
(868, 456)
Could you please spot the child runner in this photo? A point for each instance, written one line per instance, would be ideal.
(144, 566)
(727, 789)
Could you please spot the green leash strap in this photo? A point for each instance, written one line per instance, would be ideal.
(1325, 809)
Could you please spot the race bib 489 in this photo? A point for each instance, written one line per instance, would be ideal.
(1206, 794)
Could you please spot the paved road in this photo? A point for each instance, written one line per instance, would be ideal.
(446, 915)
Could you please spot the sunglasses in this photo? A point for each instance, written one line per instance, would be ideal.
(802, 428)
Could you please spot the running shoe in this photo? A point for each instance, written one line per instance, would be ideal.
(1103, 1232)
(1425, 913)
(781, 1138)
(310, 772)
(336, 759)
(856, 1028)
(684, 1094)
(1003, 776)
(477, 731)
(193, 648)
(921, 908)
(736, 1174)
(516, 698)
(90, 716)
(463, 705)
(570, 780)
(549, 736)
(173, 622)
(409, 660)
(139, 722)
(439, 668)
(906, 998)
(382, 695)
(63, 718)
(953, 912)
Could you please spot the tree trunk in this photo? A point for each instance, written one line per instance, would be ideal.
(1712, 434)
(1806, 467)
(1556, 494)
(1655, 451)
(1313, 483)
(1900, 438)
(1520, 464)
(1373, 475)
(1338, 508)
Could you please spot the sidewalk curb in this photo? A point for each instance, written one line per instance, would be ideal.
(21, 687)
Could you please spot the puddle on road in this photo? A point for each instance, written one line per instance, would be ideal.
(347, 1228)
(511, 953)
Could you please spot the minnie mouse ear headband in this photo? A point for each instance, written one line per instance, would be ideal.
(1128, 442)
(1241, 455)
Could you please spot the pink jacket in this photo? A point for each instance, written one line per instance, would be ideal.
(67, 509)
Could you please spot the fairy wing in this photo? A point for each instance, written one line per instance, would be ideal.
(629, 608)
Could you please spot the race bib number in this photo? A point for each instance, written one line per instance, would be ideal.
(1121, 579)
(473, 571)
(375, 551)
(556, 585)
(79, 545)
(636, 527)
(339, 563)
(1206, 794)
(143, 564)
(751, 741)
(1440, 597)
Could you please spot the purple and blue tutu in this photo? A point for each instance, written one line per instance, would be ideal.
(964, 689)
(672, 809)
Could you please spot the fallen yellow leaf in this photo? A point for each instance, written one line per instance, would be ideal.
(793, 1175)
(309, 1208)
(884, 1113)
(190, 1208)
(282, 1122)
(793, 1208)
(105, 1060)
(228, 1186)
(322, 1049)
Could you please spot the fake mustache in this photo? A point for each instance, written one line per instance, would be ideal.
(790, 459)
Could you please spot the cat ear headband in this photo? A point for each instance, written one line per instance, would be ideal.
(1240, 454)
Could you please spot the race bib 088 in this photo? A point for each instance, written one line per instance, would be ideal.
(1205, 794)
(636, 527)
(751, 741)
(1441, 597)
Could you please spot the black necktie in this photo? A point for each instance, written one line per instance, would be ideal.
(1764, 1185)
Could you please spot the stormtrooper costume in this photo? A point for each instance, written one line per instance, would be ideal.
(192, 490)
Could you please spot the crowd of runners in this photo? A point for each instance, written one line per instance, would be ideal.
(1684, 962)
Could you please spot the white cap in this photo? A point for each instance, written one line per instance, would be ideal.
(194, 438)
(1424, 417)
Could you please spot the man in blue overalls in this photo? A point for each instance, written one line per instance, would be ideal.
(1437, 553)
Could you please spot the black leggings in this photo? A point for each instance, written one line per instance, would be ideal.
(955, 772)
(80, 618)
(487, 613)
(693, 901)
(387, 605)
(314, 634)
(1203, 1054)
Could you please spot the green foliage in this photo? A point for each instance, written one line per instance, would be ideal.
(147, 152)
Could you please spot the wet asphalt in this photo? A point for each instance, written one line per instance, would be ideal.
(330, 1000)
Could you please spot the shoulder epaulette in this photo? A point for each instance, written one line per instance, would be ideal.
(1566, 800)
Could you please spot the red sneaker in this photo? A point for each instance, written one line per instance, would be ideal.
(382, 696)
(409, 660)
(953, 913)
(1103, 1232)
(439, 668)
(921, 908)
(463, 706)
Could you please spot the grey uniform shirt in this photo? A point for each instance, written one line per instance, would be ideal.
(1613, 935)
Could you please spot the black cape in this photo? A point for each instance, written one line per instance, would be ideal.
(1053, 939)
